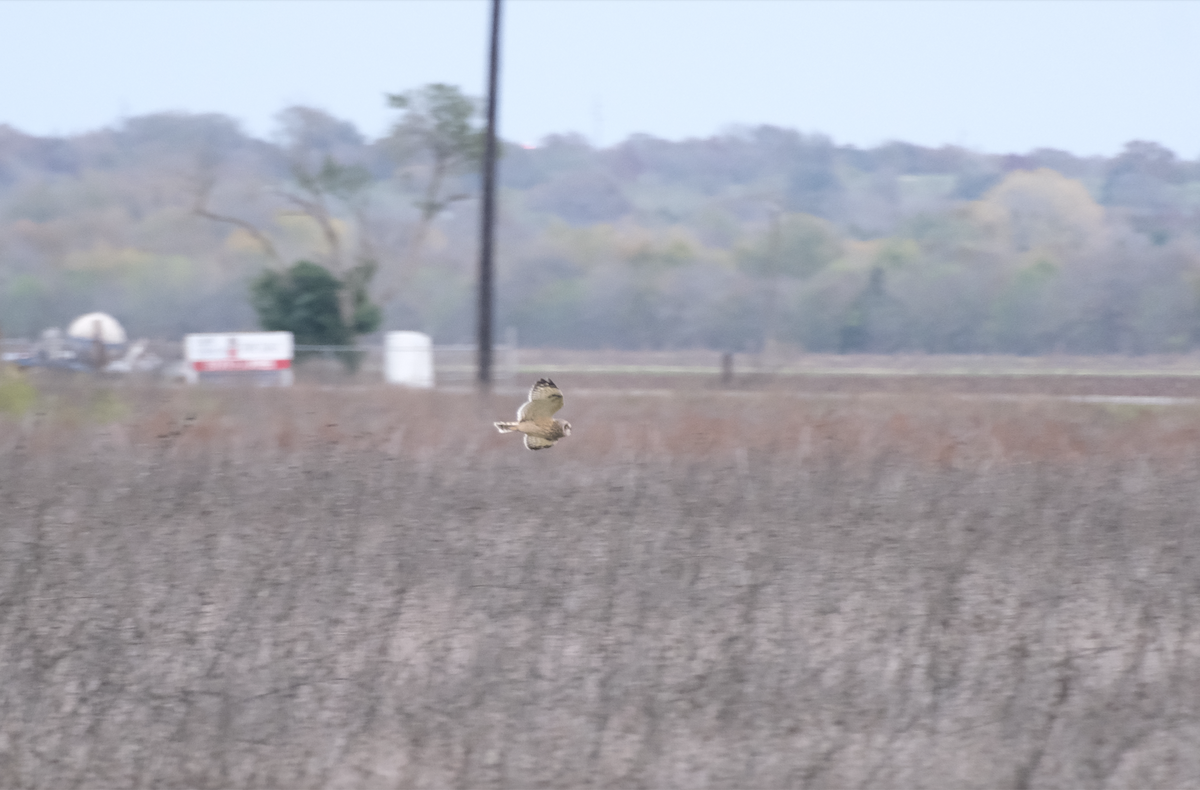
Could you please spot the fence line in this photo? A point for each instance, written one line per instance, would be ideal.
(453, 362)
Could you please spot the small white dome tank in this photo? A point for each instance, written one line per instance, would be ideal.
(87, 327)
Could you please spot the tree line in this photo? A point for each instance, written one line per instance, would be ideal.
(751, 237)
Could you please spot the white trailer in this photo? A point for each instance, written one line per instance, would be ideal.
(262, 358)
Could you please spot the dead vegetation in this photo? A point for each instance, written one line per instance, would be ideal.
(370, 588)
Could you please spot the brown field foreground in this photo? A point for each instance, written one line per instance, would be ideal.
(371, 588)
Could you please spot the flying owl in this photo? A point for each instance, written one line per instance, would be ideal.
(535, 418)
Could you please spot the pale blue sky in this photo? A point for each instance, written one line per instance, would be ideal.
(1000, 76)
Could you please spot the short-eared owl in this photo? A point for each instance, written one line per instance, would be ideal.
(535, 418)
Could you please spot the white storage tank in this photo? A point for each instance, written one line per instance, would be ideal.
(408, 359)
(97, 326)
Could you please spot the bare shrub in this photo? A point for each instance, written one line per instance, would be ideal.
(370, 588)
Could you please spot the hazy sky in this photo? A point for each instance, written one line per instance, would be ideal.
(999, 76)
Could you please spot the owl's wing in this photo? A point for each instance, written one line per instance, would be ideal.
(536, 442)
(544, 399)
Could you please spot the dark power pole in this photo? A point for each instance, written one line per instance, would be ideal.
(487, 230)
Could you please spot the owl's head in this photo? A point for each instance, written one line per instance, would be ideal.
(566, 427)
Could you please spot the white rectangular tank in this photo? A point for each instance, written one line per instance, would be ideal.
(408, 359)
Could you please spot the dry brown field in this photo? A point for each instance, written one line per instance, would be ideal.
(763, 586)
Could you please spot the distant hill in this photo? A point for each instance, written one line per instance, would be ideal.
(756, 235)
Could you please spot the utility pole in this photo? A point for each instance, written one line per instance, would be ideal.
(487, 229)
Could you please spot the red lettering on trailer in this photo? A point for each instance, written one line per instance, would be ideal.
(211, 365)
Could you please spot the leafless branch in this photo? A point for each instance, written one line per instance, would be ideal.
(200, 208)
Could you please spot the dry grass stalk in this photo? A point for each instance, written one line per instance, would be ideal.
(370, 588)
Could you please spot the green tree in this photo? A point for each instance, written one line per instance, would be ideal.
(306, 301)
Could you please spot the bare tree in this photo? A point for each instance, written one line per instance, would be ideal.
(316, 190)
(436, 138)
(347, 184)
(205, 181)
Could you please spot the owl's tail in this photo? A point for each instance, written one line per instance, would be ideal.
(505, 427)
